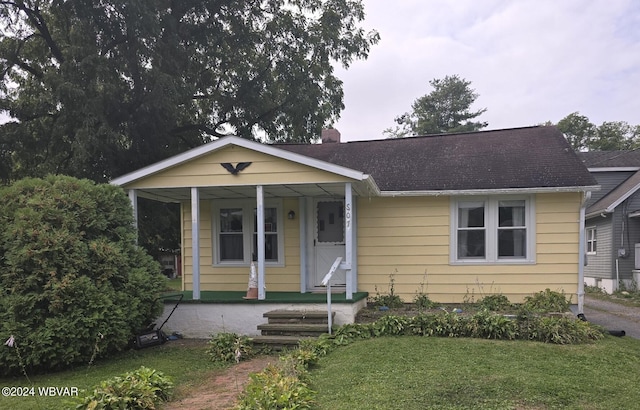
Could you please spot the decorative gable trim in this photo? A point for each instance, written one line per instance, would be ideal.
(244, 143)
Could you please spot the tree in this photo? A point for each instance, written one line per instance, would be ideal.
(100, 88)
(615, 135)
(72, 279)
(610, 135)
(446, 109)
(577, 129)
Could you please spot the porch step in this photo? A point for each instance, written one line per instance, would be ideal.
(278, 343)
(285, 328)
(293, 329)
(298, 316)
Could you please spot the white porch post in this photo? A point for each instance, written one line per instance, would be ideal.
(260, 222)
(133, 197)
(348, 236)
(302, 218)
(195, 241)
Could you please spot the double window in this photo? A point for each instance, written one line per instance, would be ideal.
(592, 240)
(235, 227)
(489, 230)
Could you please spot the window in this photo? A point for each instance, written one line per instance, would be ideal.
(592, 240)
(236, 232)
(487, 230)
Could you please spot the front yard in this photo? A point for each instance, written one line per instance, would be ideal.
(402, 372)
(442, 373)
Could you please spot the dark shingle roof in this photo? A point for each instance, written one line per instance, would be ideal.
(529, 157)
(609, 202)
(610, 159)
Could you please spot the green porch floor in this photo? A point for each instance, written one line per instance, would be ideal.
(208, 296)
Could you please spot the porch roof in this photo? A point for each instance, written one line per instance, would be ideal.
(290, 184)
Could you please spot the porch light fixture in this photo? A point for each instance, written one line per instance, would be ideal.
(291, 214)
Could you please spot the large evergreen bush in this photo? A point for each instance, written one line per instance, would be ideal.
(73, 282)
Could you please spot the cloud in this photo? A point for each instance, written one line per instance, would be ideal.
(530, 61)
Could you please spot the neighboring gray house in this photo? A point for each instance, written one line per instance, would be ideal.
(612, 225)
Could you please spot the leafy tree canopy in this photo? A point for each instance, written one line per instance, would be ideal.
(98, 88)
(446, 109)
(583, 135)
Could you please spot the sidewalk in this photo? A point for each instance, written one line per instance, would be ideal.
(613, 316)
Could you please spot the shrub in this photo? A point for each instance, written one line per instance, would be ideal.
(391, 325)
(141, 389)
(70, 269)
(229, 347)
(560, 330)
(347, 333)
(495, 303)
(487, 325)
(546, 301)
(422, 301)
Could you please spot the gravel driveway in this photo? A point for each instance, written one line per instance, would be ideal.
(613, 316)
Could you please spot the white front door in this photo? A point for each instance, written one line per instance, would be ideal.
(328, 239)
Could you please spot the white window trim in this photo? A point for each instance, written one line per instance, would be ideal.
(589, 239)
(491, 226)
(248, 230)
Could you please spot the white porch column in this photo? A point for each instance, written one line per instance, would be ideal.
(348, 236)
(195, 241)
(133, 197)
(260, 222)
(302, 218)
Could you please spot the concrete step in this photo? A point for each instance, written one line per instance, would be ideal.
(297, 316)
(293, 329)
(278, 343)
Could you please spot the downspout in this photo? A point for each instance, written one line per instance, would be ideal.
(581, 253)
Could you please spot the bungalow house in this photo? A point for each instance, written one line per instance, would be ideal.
(456, 216)
(613, 220)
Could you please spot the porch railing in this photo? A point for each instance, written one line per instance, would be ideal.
(326, 281)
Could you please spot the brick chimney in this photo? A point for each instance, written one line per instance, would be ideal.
(330, 135)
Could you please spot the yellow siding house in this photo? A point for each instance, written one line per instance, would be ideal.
(456, 216)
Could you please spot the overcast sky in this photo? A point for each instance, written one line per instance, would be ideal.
(530, 61)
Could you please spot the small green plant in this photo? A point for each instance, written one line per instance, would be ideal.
(469, 297)
(230, 347)
(546, 301)
(421, 299)
(277, 387)
(141, 389)
(594, 290)
(495, 303)
(390, 300)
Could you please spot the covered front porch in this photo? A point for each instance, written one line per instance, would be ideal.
(227, 311)
(248, 206)
(291, 240)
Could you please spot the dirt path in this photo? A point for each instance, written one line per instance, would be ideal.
(222, 391)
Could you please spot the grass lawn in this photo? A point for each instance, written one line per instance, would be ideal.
(174, 284)
(185, 361)
(439, 373)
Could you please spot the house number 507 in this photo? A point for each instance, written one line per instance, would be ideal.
(347, 215)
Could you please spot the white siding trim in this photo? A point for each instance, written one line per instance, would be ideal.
(195, 241)
(506, 191)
